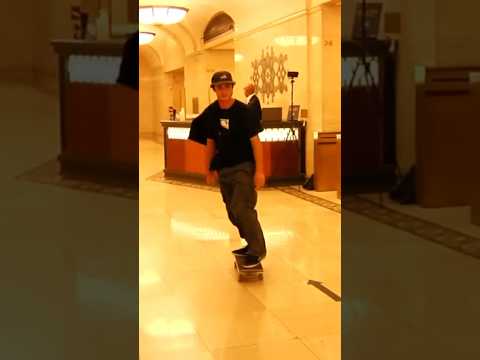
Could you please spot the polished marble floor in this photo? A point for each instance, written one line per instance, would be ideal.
(455, 218)
(63, 290)
(67, 255)
(191, 304)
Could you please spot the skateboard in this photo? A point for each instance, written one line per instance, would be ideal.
(255, 273)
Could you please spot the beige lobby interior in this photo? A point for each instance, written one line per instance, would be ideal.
(296, 29)
(223, 332)
(66, 256)
(191, 305)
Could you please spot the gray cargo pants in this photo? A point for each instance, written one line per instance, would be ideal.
(240, 197)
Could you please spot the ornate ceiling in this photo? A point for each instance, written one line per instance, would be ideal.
(188, 33)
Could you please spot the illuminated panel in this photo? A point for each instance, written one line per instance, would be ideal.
(174, 133)
(94, 69)
(267, 135)
(278, 134)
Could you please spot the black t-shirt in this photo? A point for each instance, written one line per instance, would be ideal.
(198, 128)
(231, 129)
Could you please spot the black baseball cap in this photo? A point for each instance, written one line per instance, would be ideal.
(221, 77)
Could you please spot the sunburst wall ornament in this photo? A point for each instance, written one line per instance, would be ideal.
(269, 74)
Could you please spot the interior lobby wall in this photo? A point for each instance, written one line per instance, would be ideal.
(17, 62)
(331, 55)
(456, 33)
(348, 15)
(160, 61)
(287, 39)
(197, 81)
(162, 97)
(221, 60)
(174, 54)
(176, 88)
(155, 97)
(199, 69)
(30, 55)
(434, 33)
(147, 103)
(301, 39)
(52, 21)
(416, 47)
(315, 83)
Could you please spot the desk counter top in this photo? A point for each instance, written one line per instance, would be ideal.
(88, 47)
(265, 124)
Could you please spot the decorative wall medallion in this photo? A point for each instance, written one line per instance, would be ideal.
(269, 74)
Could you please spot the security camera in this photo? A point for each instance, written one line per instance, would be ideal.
(292, 74)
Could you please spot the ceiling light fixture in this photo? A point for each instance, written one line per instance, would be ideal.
(145, 37)
(165, 15)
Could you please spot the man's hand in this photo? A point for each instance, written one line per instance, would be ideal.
(212, 178)
(259, 180)
(249, 90)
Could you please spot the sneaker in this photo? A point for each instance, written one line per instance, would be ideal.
(241, 252)
(251, 262)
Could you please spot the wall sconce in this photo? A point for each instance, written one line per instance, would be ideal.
(239, 57)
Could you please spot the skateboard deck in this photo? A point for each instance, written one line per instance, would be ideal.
(255, 273)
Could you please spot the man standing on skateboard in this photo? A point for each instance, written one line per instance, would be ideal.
(235, 161)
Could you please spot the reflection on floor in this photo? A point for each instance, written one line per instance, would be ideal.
(454, 218)
(328, 200)
(65, 294)
(404, 297)
(418, 221)
(191, 305)
(49, 173)
(425, 303)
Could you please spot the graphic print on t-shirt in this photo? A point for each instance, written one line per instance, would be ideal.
(231, 130)
(225, 123)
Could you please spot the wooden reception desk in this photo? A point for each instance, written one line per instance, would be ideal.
(98, 118)
(447, 129)
(284, 154)
(327, 162)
